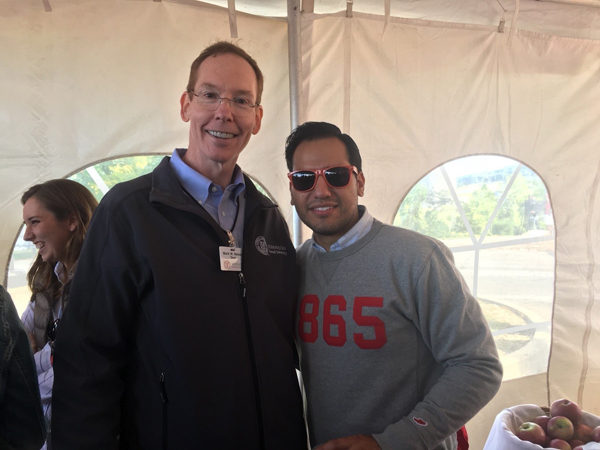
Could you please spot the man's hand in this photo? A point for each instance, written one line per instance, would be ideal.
(358, 442)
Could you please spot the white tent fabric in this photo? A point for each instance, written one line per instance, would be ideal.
(84, 81)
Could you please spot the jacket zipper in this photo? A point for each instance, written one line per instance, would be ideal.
(257, 396)
(165, 401)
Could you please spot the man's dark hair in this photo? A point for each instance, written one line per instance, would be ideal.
(225, 48)
(314, 131)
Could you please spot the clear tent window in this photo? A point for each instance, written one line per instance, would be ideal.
(494, 213)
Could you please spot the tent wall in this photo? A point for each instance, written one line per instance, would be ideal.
(83, 84)
(79, 85)
(425, 95)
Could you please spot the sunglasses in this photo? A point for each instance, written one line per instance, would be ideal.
(335, 177)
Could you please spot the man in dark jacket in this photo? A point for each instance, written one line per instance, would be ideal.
(22, 425)
(179, 330)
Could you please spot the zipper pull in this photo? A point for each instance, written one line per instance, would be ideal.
(242, 283)
(163, 391)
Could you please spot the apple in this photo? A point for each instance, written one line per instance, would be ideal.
(596, 434)
(531, 432)
(579, 447)
(566, 408)
(560, 427)
(542, 421)
(560, 444)
(576, 443)
(582, 433)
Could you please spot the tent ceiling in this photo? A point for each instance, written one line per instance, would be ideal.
(566, 18)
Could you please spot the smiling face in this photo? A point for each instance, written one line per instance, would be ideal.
(218, 137)
(329, 212)
(47, 233)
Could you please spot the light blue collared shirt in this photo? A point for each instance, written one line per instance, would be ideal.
(225, 206)
(360, 229)
(61, 273)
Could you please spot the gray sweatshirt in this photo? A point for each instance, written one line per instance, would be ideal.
(392, 342)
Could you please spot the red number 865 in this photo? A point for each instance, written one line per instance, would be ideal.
(329, 319)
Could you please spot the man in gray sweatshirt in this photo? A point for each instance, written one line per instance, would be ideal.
(395, 351)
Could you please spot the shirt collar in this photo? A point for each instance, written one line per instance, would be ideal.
(60, 272)
(359, 230)
(196, 184)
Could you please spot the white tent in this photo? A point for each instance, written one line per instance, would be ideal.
(416, 83)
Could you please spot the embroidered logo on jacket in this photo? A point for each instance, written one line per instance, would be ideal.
(266, 249)
(420, 421)
(261, 245)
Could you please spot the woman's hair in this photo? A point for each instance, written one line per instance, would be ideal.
(64, 199)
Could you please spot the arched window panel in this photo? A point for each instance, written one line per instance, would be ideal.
(98, 178)
(495, 215)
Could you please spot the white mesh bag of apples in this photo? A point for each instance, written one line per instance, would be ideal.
(529, 427)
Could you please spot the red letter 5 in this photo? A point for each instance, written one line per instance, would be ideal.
(369, 321)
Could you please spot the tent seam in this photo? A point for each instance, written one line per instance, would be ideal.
(449, 25)
(591, 288)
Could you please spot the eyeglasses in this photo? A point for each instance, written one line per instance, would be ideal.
(51, 330)
(335, 177)
(211, 101)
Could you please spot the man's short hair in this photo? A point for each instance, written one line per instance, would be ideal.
(314, 131)
(225, 48)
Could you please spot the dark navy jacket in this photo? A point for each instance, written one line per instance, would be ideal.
(22, 425)
(160, 346)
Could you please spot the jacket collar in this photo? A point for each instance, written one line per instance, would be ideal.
(167, 190)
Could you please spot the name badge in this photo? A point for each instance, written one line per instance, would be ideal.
(231, 258)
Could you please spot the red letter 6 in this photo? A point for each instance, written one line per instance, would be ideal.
(334, 319)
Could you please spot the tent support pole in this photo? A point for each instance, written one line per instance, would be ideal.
(295, 77)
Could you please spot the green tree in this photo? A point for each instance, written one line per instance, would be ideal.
(479, 208)
(117, 170)
(410, 213)
(427, 211)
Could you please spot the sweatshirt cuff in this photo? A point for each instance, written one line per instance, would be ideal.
(403, 434)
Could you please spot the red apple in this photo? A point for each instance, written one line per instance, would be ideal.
(576, 443)
(566, 408)
(596, 434)
(531, 432)
(542, 421)
(560, 444)
(579, 447)
(560, 427)
(583, 433)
